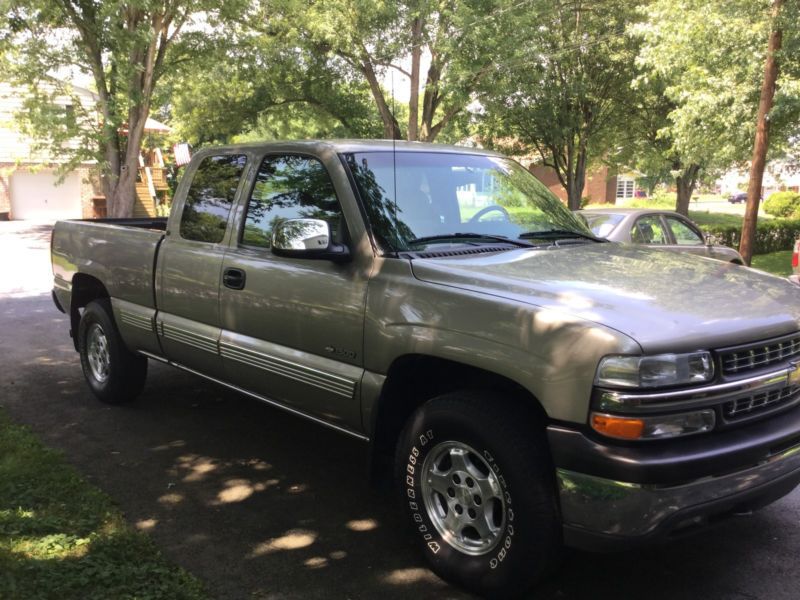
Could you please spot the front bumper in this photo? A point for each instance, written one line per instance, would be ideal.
(618, 495)
(603, 514)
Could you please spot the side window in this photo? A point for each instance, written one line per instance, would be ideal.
(648, 230)
(684, 235)
(290, 187)
(210, 197)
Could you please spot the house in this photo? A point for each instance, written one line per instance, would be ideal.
(602, 186)
(31, 187)
(779, 176)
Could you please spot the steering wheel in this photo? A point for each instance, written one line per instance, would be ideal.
(486, 210)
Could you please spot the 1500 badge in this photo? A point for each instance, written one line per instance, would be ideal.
(340, 352)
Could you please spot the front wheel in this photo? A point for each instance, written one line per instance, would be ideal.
(478, 483)
(114, 374)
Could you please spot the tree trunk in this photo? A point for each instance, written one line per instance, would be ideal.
(430, 99)
(575, 194)
(391, 129)
(685, 183)
(120, 203)
(761, 144)
(413, 101)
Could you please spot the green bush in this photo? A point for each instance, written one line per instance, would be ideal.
(783, 204)
(772, 235)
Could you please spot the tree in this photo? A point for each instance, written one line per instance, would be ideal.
(705, 57)
(125, 46)
(261, 86)
(761, 143)
(443, 48)
(644, 140)
(558, 87)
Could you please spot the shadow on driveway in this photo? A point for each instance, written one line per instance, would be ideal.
(260, 504)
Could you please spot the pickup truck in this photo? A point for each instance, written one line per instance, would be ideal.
(527, 385)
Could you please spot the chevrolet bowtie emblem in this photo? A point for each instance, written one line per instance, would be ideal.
(794, 374)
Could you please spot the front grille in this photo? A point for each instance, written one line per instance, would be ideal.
(756, 356)
(760, 403)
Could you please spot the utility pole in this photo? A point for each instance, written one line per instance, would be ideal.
(761, 144)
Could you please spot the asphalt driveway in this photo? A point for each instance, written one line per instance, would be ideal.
(260, 504)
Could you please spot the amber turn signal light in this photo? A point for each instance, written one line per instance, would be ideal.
(625, 428)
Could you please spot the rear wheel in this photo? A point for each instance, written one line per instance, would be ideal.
(114, 374)
(478, 483)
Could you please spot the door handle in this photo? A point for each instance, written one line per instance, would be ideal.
(233, 279)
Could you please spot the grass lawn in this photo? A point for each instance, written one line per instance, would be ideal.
(777, 263)
(63, 538)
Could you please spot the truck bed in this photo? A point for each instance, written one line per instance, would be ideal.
(120, 253)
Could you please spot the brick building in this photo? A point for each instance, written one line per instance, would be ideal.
(602, 185)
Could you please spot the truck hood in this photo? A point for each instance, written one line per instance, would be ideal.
(666, 301)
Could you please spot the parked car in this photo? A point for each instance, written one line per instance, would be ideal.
(660, 229)
(795, 277)
(737, 197)
(525, 383)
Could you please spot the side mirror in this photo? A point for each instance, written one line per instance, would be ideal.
(307, 238)
(710, 239)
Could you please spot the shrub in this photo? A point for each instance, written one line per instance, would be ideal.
(772, 235)
(783, 204)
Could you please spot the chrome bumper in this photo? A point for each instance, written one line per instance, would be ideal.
(603, 507)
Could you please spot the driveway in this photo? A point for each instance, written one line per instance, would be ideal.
(259, 504)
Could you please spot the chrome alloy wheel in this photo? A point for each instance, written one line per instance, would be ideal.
(463, 498)
(97, 353)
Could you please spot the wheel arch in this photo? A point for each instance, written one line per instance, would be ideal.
(412, 380)
(85, 289)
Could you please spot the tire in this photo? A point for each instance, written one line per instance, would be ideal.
(479, 442)
(114, 374)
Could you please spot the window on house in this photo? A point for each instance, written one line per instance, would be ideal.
(626, 187)
(69, 114)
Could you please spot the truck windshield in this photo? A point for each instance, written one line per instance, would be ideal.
(418, 199)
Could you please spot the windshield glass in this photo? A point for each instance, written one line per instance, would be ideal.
(601, 224)
(443, 194)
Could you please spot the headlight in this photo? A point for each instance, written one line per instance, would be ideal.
(655, 371)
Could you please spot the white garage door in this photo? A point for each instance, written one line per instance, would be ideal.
(35, 196)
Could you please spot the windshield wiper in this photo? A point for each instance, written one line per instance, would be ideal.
(558, 234)
(479, 237)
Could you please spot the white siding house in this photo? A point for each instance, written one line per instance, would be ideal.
(779, 175)
(30, 188)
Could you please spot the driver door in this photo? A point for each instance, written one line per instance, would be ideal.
(292, 328)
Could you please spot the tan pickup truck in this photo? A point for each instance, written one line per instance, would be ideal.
(526, 384)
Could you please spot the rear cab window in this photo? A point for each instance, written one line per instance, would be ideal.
(210, 197)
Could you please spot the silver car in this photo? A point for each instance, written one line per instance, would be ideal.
(662, 229)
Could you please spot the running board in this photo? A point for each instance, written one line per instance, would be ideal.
(264, 399)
